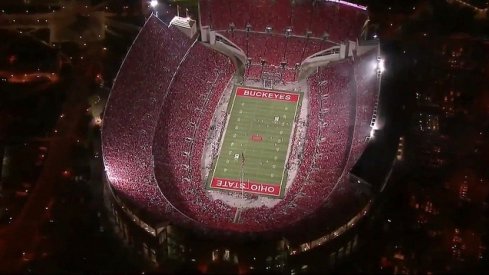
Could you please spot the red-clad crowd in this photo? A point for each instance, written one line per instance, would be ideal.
(182, 130)
(324, 153)
(340, 22)
(367, 87)
(161, 106)
(131, 115)
(276, 49)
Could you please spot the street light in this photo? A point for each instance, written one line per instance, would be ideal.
(153, 3)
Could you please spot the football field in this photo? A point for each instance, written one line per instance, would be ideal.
(253, 152)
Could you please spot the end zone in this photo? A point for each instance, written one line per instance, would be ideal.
(264, 94)
(248, 187)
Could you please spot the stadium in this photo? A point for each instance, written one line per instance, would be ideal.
(250, 122)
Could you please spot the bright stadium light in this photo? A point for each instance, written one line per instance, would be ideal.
(153, 3)
(373, 128)
(372, 133)
(374, 65)
(381, 65)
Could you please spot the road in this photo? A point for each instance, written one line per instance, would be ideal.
(24, 234)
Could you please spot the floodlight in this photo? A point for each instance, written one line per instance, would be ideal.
(381, 65)
(153, 3)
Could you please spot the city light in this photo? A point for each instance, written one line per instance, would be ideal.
(352, 144)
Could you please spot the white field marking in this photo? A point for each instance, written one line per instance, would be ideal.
(290, 143)
(283, 124)
(224, 134)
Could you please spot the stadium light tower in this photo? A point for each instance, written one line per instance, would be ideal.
(381, 66)
(372, 132)
(153, 3)
(378, 65)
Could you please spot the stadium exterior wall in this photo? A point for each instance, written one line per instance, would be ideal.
(159, 244)
(154, 241)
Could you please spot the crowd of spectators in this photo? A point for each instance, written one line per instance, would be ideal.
(367, 87)
(274, 55)
(276, 49)
(132, 111)
(275, 74)
(340, 22)
(299, 48)
(182, 130)
(159, 112)
(324, 154)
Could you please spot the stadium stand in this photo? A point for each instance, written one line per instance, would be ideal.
(254, 72)
(268, 21)
(367, 95)
(315, 45)
(129, 119)
(280, 15)
(275, 51)
(180, 137)
(240, 38)
(257, 46)
(289, 74)
(205, 13)
(276, 48)
(301, 17)
(160, 109)
(241, 14)
(295, 50)
(329, 125)
(341, 22)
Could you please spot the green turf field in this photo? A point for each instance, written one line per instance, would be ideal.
(256, 141)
